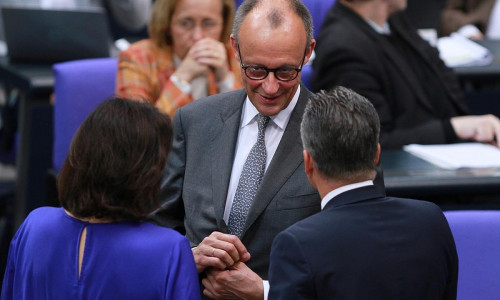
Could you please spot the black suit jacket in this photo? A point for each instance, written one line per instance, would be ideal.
(351, 53)
(366, 246)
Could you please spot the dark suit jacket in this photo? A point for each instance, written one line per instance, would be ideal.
(197, 177)
(366, 246)
(458, 13)
(351, 53)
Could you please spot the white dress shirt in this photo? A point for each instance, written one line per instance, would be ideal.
(247, 137)
(343, 189)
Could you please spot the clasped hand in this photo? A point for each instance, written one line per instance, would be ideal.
(222, 257)
(204, 56)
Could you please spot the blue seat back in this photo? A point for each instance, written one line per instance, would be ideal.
(79, 87)
(477, 237)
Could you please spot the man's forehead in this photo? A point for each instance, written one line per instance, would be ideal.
(264, 23)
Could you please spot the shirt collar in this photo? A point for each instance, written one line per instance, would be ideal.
(384, 29)
(334, 193)
(281, 119)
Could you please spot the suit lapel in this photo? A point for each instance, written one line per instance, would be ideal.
(286, 159)
(223, 151)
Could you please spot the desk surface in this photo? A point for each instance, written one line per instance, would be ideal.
(482, 72)
(28, 77)
(406, 175)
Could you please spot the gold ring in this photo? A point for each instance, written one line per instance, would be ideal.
(213, 251)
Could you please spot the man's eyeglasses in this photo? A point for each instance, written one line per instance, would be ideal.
(259, 72)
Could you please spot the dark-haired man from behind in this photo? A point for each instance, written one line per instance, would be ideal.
(362, 245)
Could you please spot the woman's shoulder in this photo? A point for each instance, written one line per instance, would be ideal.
(44, 213)
(142, 47)
(146, 52)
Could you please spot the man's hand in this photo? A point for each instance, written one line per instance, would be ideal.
(484, 128)
(237, 282)
(219, 250)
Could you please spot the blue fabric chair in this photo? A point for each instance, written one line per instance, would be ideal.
(477, 237)
(79, 86)
(306, 75)
(318, 10)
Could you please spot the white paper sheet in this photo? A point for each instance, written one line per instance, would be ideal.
(456, 50)
(455, 156)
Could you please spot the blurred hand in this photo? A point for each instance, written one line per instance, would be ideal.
(204, 56)
(238, 282)
(476, 37)
(219, 250)
(485, 128)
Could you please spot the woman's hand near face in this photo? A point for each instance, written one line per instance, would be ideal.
(189, 68)
(204, 56)
(211, 53)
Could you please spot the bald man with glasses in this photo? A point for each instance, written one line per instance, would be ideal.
(236, 177)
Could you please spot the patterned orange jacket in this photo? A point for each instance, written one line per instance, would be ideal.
(144, 73)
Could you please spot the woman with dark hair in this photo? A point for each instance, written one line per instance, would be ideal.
(97, 246)
(187, 56)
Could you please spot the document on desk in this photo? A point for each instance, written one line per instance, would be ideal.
(456, 156)
(458, 51)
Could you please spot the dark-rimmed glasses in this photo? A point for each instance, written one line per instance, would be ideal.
(260, 72)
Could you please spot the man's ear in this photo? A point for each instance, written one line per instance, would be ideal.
(234, 46)
(309, 51)
(308, 162)
(377, 156)
(309, 169)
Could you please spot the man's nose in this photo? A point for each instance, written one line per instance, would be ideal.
(270, 84)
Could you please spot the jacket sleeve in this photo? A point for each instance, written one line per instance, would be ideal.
(171, 213)
(290, 276)
(457, 14)
(182, 281)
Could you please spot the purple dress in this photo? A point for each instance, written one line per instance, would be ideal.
(122, 260)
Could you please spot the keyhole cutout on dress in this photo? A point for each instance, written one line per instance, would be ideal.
(81, 250)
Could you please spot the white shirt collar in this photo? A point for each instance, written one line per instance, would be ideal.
(343, 189)
(281, 119)
(385, 29)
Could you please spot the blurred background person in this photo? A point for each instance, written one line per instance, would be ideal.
(475, 19)
(95, 246)
(369, 46)
(186, 58)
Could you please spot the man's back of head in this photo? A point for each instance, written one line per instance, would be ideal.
(340, 130)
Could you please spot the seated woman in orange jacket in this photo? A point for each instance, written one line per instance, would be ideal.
(186, 58)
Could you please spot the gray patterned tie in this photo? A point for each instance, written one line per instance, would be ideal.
(250, 178)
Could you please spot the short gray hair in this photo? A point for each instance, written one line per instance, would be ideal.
(340, 130)
(275, 16)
